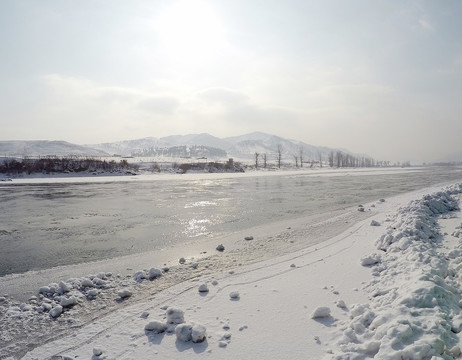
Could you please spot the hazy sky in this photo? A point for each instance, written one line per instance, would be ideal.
(378, 77)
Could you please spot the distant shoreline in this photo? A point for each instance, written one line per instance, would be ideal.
(90, 177)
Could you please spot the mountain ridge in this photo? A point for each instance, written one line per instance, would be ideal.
(239, 147)
(26, 148)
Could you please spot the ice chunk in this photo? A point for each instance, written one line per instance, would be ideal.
(124, 293)
(154, 273)
(341, 304)
(198, 333)
(156, 327)
(65, 302)
(371, 259)
(234, 295)
(140, 275)
(56, 311)
(184, 332)
(321, 312)
(97, 351)
(175, 316)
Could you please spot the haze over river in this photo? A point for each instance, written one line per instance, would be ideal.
(43, 225)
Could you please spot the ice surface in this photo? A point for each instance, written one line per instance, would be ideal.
(71, 222)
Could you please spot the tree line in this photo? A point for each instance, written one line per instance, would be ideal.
(62, 165)
(338, 159)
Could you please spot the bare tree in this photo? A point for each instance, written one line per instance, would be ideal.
(320, 158)
(264, 160)
(296, 160)
(301, 155)
(331, 159)
(257, 154)
(279, 155)
(339, 159)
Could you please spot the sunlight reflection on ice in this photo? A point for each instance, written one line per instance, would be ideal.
(200, 204)
(196, 227)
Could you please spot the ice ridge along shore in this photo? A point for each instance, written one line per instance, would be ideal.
(414, 308)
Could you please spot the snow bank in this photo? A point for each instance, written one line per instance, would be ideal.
(415, 294)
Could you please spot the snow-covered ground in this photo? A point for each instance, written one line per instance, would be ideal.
(387, 287)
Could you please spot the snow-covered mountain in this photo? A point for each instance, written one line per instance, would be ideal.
(45, 148)
(192, 145)
(129, 147)
(198, 139)
(183, 151)
(247, 145)
(239, 147)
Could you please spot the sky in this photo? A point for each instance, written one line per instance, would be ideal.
(381, 77)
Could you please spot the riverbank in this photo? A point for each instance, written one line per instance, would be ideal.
(101, 177)
(271, 317)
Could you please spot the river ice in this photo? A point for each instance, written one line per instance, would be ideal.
(44, 225)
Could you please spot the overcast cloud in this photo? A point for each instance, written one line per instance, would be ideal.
(377, 77)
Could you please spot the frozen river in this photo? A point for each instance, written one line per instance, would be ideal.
(43, 225)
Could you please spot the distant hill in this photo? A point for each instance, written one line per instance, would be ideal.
(239, 147)
(129, 147)
(198, 139)
(46, 148)
(183, 151)
(247, 145)
(178, 146)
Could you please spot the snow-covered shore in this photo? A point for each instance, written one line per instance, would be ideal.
(86, 177)
(387, 287)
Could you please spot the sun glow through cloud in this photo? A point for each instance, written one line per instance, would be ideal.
(190, 31)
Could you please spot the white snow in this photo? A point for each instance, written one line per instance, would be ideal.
(384, 292)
